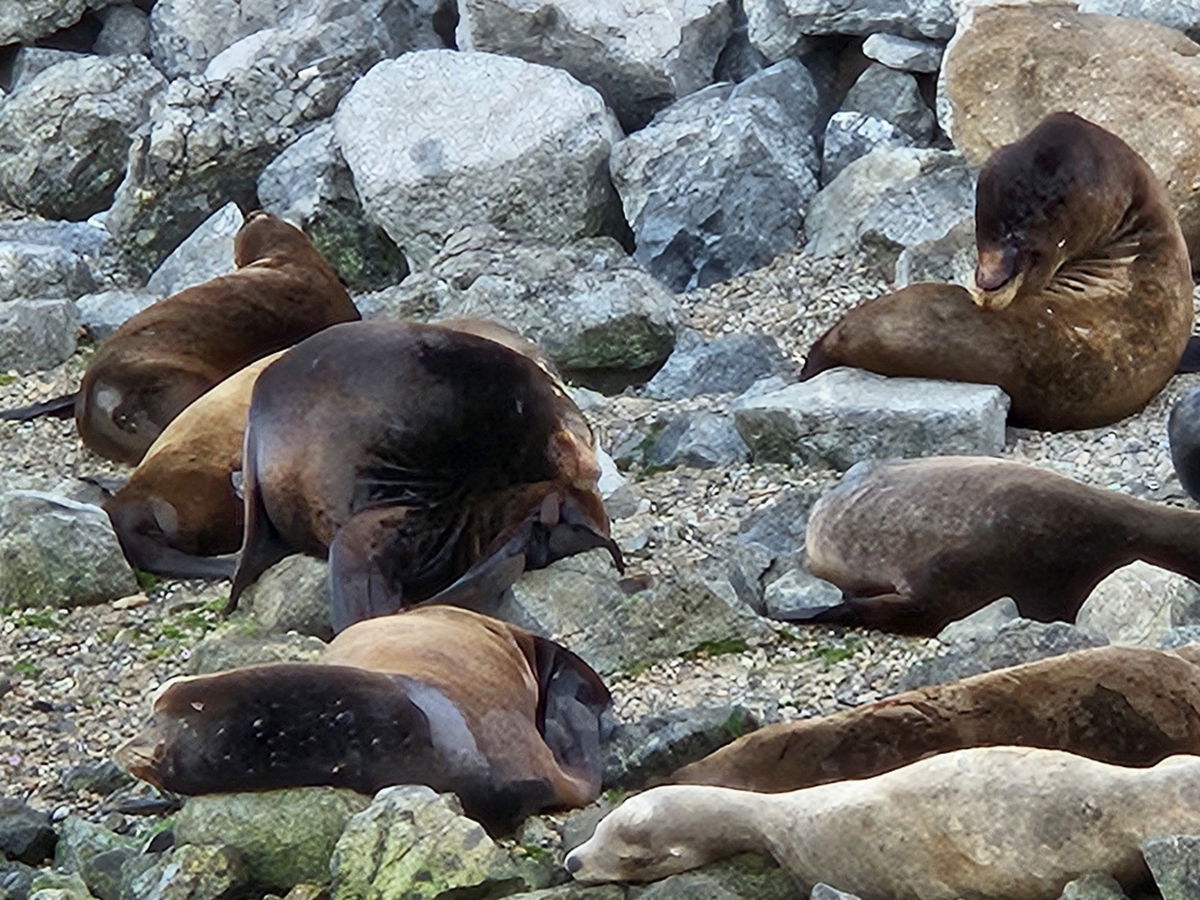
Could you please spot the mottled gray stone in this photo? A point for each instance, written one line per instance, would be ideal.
(1180, 636)
(574, 891)
(728, 363)
(779, 27)
(29, 62)
(981, 624)
(700, 439)
(1174, 861)
(36, 334)
(950, 258)
(852, 135)
(15, 878)
(639, 54)
(587, 304)
(825, 892)
(527, 150)
(56, 552)
(41, 272)
(1138, 604)
(79, 840)
(25, 834)
(578, 602)
(310, 185)
(905, 54)
(103, 872)
(1096, 886)
(844, 415)
(292, 595)
(65, 135)
(245, 644)
(205, 254)
(24, 21)
(418, 297)
(798, 594)
(894, 96)
(1014, 643)
(69, 238)
(717, 184)
(657, 745)
(124, 32)
(212, 872)
(1182, 15)
(103, 313)
(58, 886)
(748, 877)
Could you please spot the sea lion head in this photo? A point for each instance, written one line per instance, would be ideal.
(263, 235)
(1023, 224)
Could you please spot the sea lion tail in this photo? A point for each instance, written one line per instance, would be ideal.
(1190, 361)
(58, 408)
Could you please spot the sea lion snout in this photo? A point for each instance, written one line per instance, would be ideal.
(142, 755)
(996, 276)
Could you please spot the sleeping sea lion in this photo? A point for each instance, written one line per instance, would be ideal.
(1016, 823)
(915, 544)
(1083, 305)
(1121, 705)
(169, 354)
(509, 721)
(423, 461)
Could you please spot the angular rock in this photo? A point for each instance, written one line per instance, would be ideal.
(25, 834)
(700, 439)
(1181, 15)
(1174, 860)
(579, 603)
(526, 150)
(1016, 642)
(212, 872)
(205, 254)
(1096, 886)
(72, 239)
(825, 892)
(747, 877)
(124, 32)
(56, 552)
(103, 872)
(103, 313)
(413, 843)
(232, 649)
(38, 271)
(894, 96)
(950, 258)
(310, 184)
(418, 297)
(99, 777)
(778, 26)
(574, 891)
(728, 363)
(27, 20)
(892, 198)
(587, 304)
(210, 135)
(1180, 637)
(58, 886)
(29, 62)
(659, 744)
(250, 823)
(36, 334)
(981, 624)
(15, 879)
(798, 594)
(717, 184)
(65, 135)
(905, 54)
(845, 415)
(639, 55)
(852, 135)
(80, 840)
(1009, 66)
(1139, 604)
(292, 595)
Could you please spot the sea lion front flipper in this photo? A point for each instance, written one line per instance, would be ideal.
(1190, 361)
(360, 562)
(58, 408)
(481, 587)
(262, 545)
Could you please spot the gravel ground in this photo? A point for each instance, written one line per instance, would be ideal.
(75, 683)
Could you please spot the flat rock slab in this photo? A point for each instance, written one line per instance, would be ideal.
(845, 415)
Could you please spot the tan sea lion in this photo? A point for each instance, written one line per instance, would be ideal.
(169, 354)
(1016, 823)
(509, 721)
(1122, 705)
(423, 461)
(915, 544)
(1083, 304)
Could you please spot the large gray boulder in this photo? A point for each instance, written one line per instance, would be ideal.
(24, 21)
(778, 26)
(37, 271)
(718, 183)
(125, 30)
(845, 415)
(65, 135)
(103, 313)
(438, 140)
(852, 135)
(36, 334)
(29, 62)
(205, 254)
(700, 439)
(186, 872)
(895, 96)
(1139, 604)
(56, 552)
(726, 364)
(210, 135)
(1174, 860)
(905, 54)
(310, 185)
(587, 304)
(639, 54)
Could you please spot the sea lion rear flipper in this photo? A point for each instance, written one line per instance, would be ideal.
(262, 545)
(59, 408)
(1190, 361)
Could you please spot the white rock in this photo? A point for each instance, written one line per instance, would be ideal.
(906, 54)
(1139, 603)
(777, 26)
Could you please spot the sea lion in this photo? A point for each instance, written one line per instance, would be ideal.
(1122, 705)
(169, 354)
(1083, 301)
(180, 511)
(915, 544)
(509, 721)
(423, 461)
(1183, 434)
(989, 822)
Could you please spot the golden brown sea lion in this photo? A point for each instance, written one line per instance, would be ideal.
(915, 544)
(1083, 304)
(1006, 823)
(169, 354)
(441, 696)
(1121, 705)
(422, 461)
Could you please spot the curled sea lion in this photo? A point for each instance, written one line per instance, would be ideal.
(1122, 705)
(1083, 303)
(989, 822)
(509, 721)
(915, 544)
(169, 354)
(423, 461)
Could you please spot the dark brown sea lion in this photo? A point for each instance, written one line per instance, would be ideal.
(509, 721)
(1122, 705)
(918, 543)
(166, 356)
(422, 461)
(1083, 305)
(179, 511)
